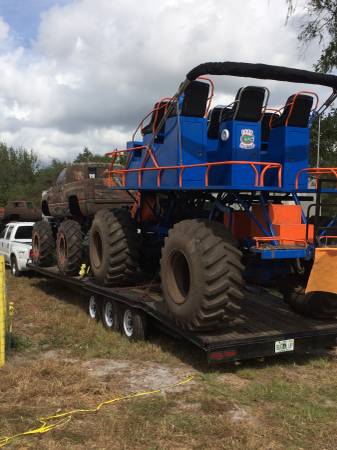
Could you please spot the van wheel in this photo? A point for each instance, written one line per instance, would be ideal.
(134, 325)
(14, 267)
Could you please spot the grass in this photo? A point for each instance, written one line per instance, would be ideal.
(61, 360)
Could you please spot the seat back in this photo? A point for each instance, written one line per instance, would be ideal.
(250, 101)
(195, 99)
(248, 105)
(296, 112)
(157, 115)
(214, 122)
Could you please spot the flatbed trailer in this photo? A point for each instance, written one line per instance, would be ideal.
(267, 326)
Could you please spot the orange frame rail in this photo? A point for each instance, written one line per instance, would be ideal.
(316, 172)
(259, 178)
(262, 239)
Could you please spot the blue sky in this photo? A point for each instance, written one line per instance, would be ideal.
(23, 17)
(78, 73)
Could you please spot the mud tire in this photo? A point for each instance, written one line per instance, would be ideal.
(69, 247)
(43, 244)
(201, 275)
(114, 247)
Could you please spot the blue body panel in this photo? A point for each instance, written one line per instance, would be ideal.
(243, 144)
(290, 147)
(168, 153)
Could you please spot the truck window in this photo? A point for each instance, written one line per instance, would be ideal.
(92, 171)
(62, 176)
(3, 233)
(9, 232)
(24, 232)
(30, 205)
(19, 204)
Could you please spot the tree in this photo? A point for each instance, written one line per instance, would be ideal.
(87, 156)
(18, 169)
(320, 23)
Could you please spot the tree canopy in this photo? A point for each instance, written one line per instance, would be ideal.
(23, 176)
(320, 25)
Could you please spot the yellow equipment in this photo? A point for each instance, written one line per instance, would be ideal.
(323, 276)
(3, 312)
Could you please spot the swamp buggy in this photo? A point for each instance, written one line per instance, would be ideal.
(224, 199)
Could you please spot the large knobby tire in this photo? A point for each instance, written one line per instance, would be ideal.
(69, 248)
(201, 275)
(319, 305)
(43, 244)
(114, 247)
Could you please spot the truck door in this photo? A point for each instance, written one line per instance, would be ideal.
(6, 243)
(2, 238)
(57, 195)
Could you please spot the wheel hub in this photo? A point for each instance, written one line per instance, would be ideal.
(179, 277)
(128, 323)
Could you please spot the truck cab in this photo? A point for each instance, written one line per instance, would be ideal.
(15, 245)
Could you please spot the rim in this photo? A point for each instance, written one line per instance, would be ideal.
(92, 307)
(179, 277)
(109, 314)
(97, 249)
(128, 323)
(36, 246)
(62, 248)
(13, 268)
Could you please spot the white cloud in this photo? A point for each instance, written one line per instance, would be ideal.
(95, 68)
(4, 30)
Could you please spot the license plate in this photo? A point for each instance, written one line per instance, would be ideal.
(285, 346)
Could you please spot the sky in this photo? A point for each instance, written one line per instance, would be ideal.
(78, 73)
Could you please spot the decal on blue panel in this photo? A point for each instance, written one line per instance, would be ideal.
(247, 138)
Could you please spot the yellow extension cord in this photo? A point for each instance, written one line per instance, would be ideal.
(60, 419)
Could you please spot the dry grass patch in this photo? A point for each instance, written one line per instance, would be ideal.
(64, 361)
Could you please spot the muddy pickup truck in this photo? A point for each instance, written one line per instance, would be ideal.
(19, 210)
(80, 192)
(15, 245)
(68, 209)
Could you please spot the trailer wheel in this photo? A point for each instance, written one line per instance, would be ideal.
(69, 247)
(43, 244)
(201, 274)
(93, 308)
(134, 325)
(114, 247)
(109, 315)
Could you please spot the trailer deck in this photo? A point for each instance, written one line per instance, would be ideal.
(266, 327)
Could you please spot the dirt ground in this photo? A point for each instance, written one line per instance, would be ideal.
(62, 360)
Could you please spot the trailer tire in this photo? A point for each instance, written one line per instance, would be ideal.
(69, 249)
(109, 315)
(201, 275)
(134, 325)
(43, 244)
(114, 247)
(93, 308)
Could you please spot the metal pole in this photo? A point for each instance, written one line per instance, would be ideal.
(318, 141)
